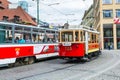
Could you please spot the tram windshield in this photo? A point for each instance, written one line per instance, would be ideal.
(74, 36)
(16, 33)
(67, 37)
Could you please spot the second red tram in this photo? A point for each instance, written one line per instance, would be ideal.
(78, 43)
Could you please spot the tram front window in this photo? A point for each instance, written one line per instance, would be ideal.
(67, 36)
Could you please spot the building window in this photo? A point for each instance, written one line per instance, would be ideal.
(107, 1)
(107, 13)
(0, 3)
(5, 18)
(108, 35)
(118, 12)
(117, 1)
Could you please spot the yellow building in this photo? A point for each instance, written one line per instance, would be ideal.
(104, 13)
(88, 18)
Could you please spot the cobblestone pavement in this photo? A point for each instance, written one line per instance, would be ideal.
(105, 67)
(111, 74)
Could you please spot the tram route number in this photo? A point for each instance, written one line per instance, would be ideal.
(66, 44)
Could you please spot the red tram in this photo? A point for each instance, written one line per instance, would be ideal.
(78, 43)
(42, 43)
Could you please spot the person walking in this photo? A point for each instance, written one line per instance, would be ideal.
(109, 45)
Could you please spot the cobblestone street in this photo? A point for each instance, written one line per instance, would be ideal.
(105, 67)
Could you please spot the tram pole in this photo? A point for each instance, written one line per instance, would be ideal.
(37, 12)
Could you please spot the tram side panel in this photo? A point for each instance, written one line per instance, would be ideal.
(48, 49)
(45, 51)
(75, 50)
(93, 47)
(14, 52)
(9, 53)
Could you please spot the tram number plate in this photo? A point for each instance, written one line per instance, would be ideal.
(67, 44)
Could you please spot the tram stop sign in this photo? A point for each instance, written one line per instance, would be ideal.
(66, 25)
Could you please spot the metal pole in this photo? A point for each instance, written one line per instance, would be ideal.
(31, 34)
(37, 12)
(13, 33)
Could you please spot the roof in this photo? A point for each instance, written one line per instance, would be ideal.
(4, 4)
(24, 16)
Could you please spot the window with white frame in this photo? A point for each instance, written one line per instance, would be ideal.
(118, 12)
(117, 1)
(107, 1)
(107, 13)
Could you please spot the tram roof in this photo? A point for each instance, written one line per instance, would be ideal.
(88, 30)
(26, 26)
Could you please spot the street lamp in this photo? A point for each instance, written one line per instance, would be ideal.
(37, 11)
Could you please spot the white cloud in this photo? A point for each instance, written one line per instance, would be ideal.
(67, 10)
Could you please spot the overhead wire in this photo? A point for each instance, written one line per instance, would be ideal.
(54, 8)
(57, 9)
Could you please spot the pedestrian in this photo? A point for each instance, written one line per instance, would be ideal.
(119, 44)
(109, 45)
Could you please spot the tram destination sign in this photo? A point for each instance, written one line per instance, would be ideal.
(66, 44)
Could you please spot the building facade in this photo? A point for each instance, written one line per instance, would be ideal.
(15, 15)
(4, 4)
(104, 13)
(88, 18)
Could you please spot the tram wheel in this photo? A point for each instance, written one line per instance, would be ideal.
(18, 63)
(11, 65)
(89, 56)
(31, 60)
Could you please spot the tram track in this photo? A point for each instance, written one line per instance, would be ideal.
(95, 72)
(47, 72)
(65, 70)
(5, 67)
(76, 63)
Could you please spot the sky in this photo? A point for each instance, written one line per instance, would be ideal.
(58, 11)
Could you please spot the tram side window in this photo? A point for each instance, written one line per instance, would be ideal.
(81, 36)
(76, 36)
(89, 37)
(27, 39)
(93, 38)
(97, 38)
